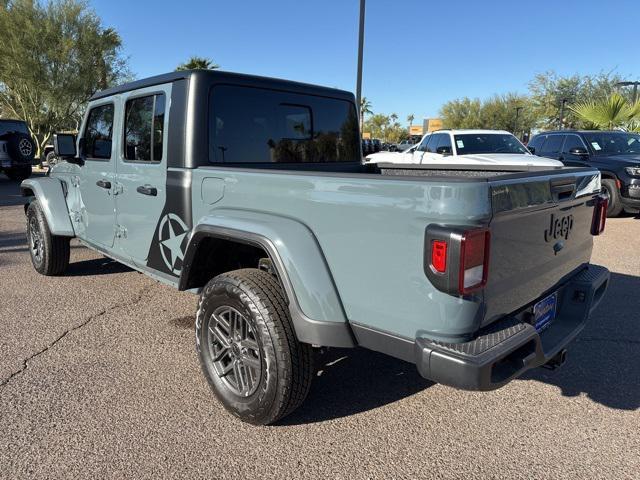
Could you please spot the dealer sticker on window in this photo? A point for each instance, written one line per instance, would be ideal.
(596, 146)
(460, 143)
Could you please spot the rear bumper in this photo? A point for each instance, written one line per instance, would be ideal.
(509, 347)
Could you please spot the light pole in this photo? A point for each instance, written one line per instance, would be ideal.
(360, 52)
(515, 122)
(628, 84)
(564, 102)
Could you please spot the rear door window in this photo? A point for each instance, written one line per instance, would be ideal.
(551, 148)
(144, 128)
(99, 132)
(256, 126)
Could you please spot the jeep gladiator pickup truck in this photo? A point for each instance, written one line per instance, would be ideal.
(250, 192)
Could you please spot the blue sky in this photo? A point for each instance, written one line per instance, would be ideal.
(418, 54)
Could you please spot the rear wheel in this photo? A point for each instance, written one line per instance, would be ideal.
(49, 253)
(248, 349)
(51, 159)
(610, 188)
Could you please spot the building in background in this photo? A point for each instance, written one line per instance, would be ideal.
(431, 124)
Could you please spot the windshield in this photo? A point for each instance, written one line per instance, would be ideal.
(473, 143)
(613, 143)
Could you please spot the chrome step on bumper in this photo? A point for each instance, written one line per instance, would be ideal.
(507, 348)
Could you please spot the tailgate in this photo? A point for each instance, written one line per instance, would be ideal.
(540, 235)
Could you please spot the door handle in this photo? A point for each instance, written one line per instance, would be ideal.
(104, 184)
(147, 190)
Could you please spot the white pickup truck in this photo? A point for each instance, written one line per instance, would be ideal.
(466, 147)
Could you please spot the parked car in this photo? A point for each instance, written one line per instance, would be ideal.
(403, 145)
(17, 149)
(615, 153)
(291, 242)
(367, 146)
(377, 145)
(467, 147)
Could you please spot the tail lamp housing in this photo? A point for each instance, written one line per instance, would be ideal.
(456, 259)
(601, 205)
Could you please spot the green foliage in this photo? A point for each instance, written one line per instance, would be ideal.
(197, 63)
(365, 108)
(385, 127)
(53, 58)
(541, 107)
(614, 111)
(547, 90)
(497, 112)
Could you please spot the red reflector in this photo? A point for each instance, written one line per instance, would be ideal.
(474, 260)
(439, 255)
(599, 215)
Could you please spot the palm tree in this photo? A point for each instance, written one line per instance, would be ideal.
(612, 112)
(198, 63)
(365, 107)
(410, 118)
(394, 117)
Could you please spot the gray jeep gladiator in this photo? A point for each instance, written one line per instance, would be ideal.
(250, 192)
(17, 149)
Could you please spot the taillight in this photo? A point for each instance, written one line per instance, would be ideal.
(474, 260)
(599, 214)
(439, 255)
(457, 258)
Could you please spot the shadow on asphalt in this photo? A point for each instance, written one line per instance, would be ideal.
(351, 381)
(604, 362)
(96, 266)
(604, 365)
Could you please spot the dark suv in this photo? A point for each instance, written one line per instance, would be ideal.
(17, 149)
(615, 153)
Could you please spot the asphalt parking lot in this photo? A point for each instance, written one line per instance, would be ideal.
(99, 378)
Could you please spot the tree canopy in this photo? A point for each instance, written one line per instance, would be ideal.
(54, 57)
(197, 63)
(539, 108)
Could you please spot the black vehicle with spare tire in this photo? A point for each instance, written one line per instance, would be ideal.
(17, 149)
(615, 153)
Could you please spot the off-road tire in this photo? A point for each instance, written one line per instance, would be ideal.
(53, 251)
(611, 189)
(19, 173)
(51, 159)
(286, 365)
(21, 147)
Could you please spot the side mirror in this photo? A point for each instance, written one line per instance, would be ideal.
(579, 151)
(532, 150)
(64, 145)
(443, 150)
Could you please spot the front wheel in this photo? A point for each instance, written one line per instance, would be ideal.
(610, 188)
(49, 253)
(248, 349)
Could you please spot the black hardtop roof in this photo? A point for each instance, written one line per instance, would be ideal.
(11, 120)
(222, 77)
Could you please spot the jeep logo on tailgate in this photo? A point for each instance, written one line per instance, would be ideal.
(559, 228)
